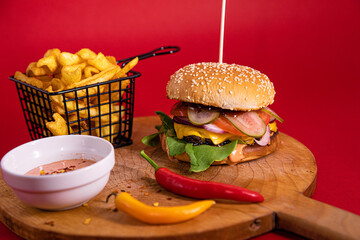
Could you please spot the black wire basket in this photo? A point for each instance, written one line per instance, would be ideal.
(114, 118)
(83, 108)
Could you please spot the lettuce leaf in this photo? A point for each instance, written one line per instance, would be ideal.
(201, 157)
(151, 140)
(176, 146)
(166, 127)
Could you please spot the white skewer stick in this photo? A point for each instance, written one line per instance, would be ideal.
(222, 31)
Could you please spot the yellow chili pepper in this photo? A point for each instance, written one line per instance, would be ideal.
(159, 215)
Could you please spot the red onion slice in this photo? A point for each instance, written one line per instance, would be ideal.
(213, 128)
(182, 120)
(265, 139)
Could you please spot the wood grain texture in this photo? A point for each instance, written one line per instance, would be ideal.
(284, 178)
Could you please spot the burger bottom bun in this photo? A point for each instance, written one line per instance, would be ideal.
(249, 152)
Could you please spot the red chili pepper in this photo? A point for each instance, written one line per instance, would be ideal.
(201, 189)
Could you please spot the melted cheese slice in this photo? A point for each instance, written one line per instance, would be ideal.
(273, 127)
(217, 138)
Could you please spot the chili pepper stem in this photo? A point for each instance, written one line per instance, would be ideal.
(143, 154)
(111, 194)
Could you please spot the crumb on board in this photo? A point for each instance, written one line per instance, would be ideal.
(50, 223)
(87, 221)
(156, 204)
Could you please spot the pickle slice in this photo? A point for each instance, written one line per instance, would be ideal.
(273, 114)
(200, 116)
(249, 123)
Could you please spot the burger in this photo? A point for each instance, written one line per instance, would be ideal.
(221, 116)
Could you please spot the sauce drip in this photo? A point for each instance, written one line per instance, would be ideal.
(237, 155)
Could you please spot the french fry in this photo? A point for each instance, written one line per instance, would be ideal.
(103, 76)
(57, 102)
(122, 72)
(103, 97)
(44, 78)
(113, 93)
(55, 51)
(106, 125)
(105, 132)
(89, 71)
(111, 59)
(70, 75)
(82, 66)
(57, 85)
(29, 80)
(58, 126)
(124, 85)
(33, 70)
(49, 89)
(32, 114)
(91, 92)
(49, 62)
(86, 54)
(100, 62)
(82, 131)
(67, 59)
(39, 101)
(84, 110)
(102, 113)
(46, 84)
(58, 108)
(74, 122)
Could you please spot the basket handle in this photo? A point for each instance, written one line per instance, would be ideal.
(153, 53)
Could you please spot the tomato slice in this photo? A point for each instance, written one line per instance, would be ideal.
(224, 124)
(179, 109)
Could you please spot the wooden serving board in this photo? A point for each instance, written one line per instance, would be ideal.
(286, 179)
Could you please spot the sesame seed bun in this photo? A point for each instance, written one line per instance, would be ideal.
(227, 86)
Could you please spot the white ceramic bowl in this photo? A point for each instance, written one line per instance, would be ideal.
(59, 191)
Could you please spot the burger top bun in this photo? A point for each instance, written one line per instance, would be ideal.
(227, 86)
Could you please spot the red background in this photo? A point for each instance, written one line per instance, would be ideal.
(309, 49)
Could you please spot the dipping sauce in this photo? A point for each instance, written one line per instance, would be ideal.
(59, 167)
